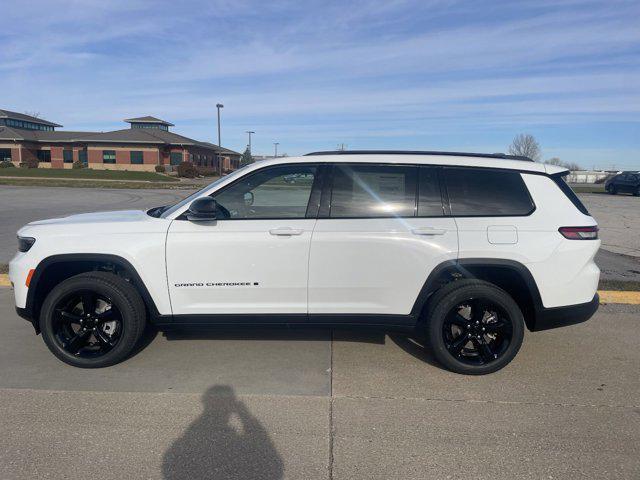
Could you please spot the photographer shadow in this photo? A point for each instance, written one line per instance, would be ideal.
(225, 442)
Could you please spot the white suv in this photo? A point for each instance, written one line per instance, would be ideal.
(463, 249)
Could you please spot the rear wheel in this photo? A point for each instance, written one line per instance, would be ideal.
(612, 189)
(474, 327)
(636, 192)
(92, 320)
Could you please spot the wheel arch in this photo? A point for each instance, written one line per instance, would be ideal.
(510, 275)
(56, 268)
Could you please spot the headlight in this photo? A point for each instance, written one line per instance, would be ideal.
(25, 243)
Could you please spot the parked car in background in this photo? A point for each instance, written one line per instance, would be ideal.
(625, 182)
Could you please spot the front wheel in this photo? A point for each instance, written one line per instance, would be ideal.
(92, 320)
(612, 189)
(474, 327)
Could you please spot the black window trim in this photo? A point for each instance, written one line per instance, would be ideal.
(310, 212)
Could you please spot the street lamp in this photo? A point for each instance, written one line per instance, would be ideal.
(219, 106)
(250, 132)
(275, 145)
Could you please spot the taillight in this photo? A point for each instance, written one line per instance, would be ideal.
(579, 233)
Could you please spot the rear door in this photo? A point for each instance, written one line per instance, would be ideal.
(380, 232)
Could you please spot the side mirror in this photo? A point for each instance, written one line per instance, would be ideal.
(202, 209)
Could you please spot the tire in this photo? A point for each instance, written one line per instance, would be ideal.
(612, 189)
(116, 322)
(480, 352)
(636, 192)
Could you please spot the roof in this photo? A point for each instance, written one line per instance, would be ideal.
(148, 119)
(419, 152)
(444, 158)
(128, 135)
(26, 118)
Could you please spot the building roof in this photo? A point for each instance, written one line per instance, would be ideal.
(26, 118)
(148, 119)
(129, 135)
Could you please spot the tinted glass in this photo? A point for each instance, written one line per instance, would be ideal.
(373, 191)
(429, 198)
(5, 154)
(277, 192)
(566, 189)
(485, 193)
(67, 156)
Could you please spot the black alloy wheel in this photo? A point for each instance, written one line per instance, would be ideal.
(93, 319)
(477, 332)
(86, 324)
(473, 327)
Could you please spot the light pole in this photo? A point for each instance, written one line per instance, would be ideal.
(219, 106)
(250, 132)
(275, 145)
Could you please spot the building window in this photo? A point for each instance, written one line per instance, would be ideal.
(176, 158)
(5, 154)
(108, 156)
(27, 125)
(44, 156)
(82, 156)
(136, 158)
(67, 155)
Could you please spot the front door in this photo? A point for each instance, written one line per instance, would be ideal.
(254, 259)
(379, 240)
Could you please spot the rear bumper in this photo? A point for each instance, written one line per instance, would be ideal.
(547, 318)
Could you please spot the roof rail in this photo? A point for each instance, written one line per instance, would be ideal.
(418, 152)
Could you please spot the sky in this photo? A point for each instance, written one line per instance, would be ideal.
(417, 75)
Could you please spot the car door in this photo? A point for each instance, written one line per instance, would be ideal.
(378, 236)
(253, 259)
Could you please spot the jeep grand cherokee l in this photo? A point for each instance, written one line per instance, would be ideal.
(467, 250)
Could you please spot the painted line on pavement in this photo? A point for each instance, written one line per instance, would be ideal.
(606, 296)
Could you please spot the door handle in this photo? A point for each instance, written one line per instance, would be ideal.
(286, 231)
(428, 231)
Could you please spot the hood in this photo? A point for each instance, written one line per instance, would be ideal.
(98, 217)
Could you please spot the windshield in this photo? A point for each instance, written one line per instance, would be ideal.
(173, 208)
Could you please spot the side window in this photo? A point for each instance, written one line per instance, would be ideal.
(276, 192)
(485, 193)
(371, 191)
(429, 197)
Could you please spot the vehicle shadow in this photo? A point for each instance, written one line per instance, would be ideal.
(415, 347)
(225, 442)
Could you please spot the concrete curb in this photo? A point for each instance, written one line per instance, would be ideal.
(606, 296)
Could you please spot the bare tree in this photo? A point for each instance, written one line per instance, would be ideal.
(573, 166)
(525, 145)
(33, 114)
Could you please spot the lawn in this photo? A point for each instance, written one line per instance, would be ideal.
(85, 174)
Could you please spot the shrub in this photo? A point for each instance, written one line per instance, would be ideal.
(187, 170)
(6, 164)
(78, 164)
(30, 163)
(160, 169)
(207, 171)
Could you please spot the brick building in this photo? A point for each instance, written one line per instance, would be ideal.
(147, 143)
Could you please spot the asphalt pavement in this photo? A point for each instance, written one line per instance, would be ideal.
(316, 404)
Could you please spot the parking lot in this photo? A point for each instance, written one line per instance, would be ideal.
(319, 404)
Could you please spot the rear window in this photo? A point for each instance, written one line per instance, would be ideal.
(566, 189)
(476, 192)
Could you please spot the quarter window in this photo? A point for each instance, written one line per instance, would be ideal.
(108, 156)
(277, 192)
(136, 158)
(370, 191)
(476, 192)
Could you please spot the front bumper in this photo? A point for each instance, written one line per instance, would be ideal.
(548, 318)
